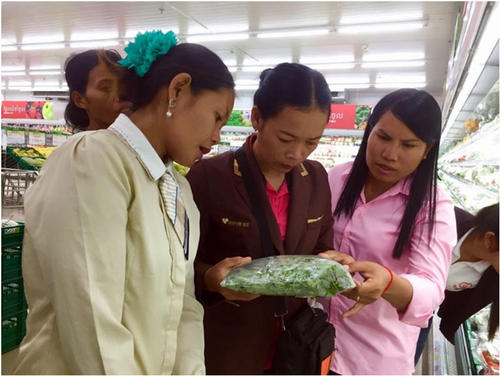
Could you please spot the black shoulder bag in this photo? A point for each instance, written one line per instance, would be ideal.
(307, 339)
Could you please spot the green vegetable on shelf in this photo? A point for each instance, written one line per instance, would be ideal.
(290, 275)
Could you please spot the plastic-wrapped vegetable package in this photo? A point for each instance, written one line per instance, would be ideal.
(290, 275)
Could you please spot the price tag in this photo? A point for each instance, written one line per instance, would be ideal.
(16, 137)
(36, 138)
(58, 139)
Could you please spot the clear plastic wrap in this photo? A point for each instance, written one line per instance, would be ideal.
(290, 275)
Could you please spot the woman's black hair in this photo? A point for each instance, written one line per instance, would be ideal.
(420, 112)
(207, 71)
(77, 68)
(291, 84)
(486, 220)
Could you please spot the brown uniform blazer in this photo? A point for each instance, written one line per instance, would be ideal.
(237, 338)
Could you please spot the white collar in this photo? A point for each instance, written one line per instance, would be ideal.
(140, 144)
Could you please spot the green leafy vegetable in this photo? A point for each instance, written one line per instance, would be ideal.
(290, 275)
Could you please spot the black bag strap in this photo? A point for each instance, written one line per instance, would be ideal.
(258, 212)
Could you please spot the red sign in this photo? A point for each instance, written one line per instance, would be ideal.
(342, 116)
(348, 116)
(22, 109)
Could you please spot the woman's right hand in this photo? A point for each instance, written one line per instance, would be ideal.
(215, 274)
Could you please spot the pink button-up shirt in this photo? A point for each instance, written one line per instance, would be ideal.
(379, 339)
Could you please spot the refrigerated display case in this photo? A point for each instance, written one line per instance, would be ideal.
(335, 147)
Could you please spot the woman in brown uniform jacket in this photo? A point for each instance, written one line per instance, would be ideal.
(291, 109)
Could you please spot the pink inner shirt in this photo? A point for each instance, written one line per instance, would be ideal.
(279, 203)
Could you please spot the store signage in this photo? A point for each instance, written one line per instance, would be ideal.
(348, 116)
(23, 109)
(16, 137)
(58, 139)
(36, 138)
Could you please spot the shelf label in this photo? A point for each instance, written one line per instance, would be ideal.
(58, 139)
(36, 138)
(16, 137)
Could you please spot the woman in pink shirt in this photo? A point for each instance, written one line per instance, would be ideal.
(396, 229)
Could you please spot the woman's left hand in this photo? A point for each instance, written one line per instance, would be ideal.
(376, 279)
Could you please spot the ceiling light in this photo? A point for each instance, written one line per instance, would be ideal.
(379, 28)
(293, 33)
(383, 17)
(9, 48)
(255, 68)
(332, 66)
(342, 87)
(246, 87)
(364, 79)
(232, 69)
(12, 68)
(44, 67)
(42, 46)
(399, 85)
(333, 59)
(244, 82)
(45, 73)
(132, 33)
(14, 73)
(398, 77)
(393, 64)
(94, 43)
(216, 37)
(394, 56)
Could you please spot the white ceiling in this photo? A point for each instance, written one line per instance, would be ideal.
(61, 21)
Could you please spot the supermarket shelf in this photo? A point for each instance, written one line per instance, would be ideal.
(327, 132)
(33, 121)
(475, 163)
(483, 133)
(450, 191)
(465, 181)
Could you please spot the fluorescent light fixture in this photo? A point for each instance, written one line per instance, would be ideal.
(12, 68)
(293, 33)
(48, 88)
(232, 69)
(22, 73)
(365, 79)
(9, 48)
(246, 87)
(332, 66)
(382, 17)
(132, 33)
(43, 38)
(216, 37)
(342, 87)
(255, 68)
(332, 59)
(47, 83)
(45, 73)
(398, 85)
(394, 56)
(94, 43)
(244, 82)
(380, 28)
(44, 67)
(393, 64)
(398, 77)
(42, 46)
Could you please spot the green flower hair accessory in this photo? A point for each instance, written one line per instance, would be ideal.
(146, 48)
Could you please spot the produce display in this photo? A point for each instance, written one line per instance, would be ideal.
(290, 275)
(45, 151)
(27, 158)
(331, 150)
(485, 353)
